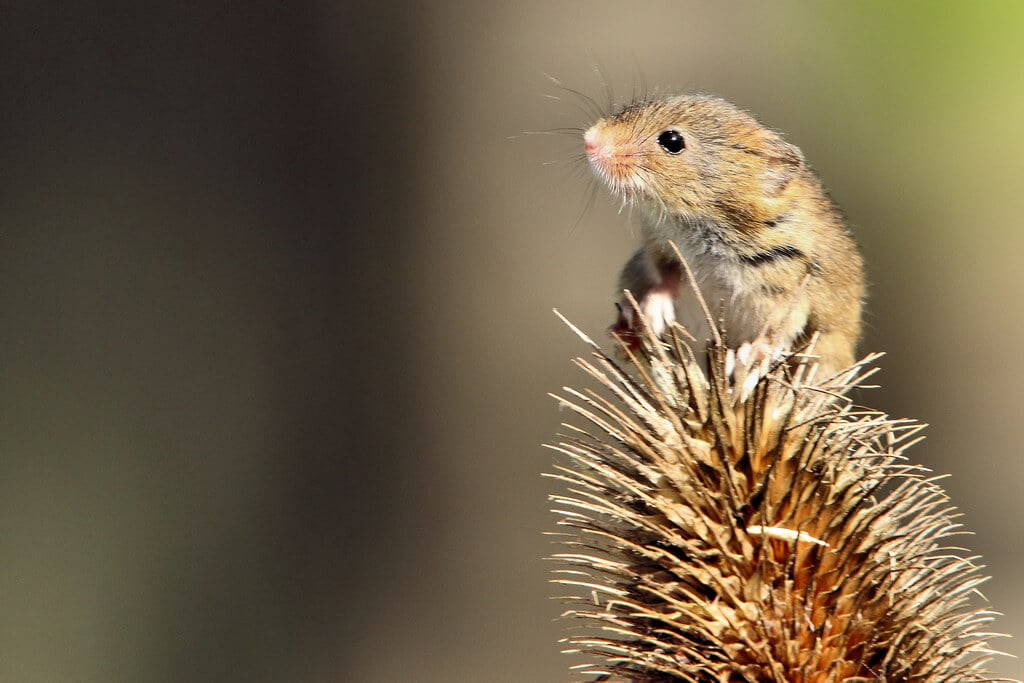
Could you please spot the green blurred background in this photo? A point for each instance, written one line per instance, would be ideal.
(275, 292)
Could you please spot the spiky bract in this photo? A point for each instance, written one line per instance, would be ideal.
(730, 530)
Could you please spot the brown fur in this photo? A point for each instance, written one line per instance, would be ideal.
(755, 224)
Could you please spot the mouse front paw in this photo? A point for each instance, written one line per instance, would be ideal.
(657, 311)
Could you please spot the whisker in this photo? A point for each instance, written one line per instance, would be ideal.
(606, 86)
(588, 203)
(585, 103)
(570, 131)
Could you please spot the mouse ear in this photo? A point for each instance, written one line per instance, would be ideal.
(784, 160)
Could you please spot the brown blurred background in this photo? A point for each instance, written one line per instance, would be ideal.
(275, 293)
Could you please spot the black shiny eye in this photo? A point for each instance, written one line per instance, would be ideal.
(672, 141)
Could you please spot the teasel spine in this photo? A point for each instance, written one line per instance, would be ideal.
(753, 524)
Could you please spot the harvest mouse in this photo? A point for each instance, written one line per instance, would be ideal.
(766, 245)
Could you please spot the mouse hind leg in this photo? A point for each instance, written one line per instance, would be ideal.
(834, 350)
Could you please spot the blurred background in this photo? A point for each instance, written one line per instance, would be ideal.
(276, 284)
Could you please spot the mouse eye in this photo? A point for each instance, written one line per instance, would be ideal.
(672, 141)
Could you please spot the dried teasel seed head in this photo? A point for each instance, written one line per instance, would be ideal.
(723, 528)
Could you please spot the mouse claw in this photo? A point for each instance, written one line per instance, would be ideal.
(624, 328)
(657, 311)
(750, 362)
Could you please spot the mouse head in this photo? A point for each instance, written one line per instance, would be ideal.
(693, 157)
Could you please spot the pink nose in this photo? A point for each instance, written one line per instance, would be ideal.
(590, 141)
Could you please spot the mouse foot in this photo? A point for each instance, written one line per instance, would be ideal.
(755, 352)
(750, 362)
(657, 312)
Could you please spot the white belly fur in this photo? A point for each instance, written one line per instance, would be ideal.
(733, 293)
